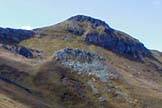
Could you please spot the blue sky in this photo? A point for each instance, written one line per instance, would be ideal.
(140, 18)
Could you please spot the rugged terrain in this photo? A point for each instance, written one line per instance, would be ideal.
(79, 63)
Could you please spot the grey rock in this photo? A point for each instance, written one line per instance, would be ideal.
(128, 48)
(83, 62)
(102, 99)
(26, 52)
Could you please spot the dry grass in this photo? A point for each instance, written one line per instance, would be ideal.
(49, 46)
(6, 102)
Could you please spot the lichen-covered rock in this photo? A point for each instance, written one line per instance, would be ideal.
(83, 62)
(77, 55)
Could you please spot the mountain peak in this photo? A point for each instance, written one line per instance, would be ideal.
(99, 33)
(94, 21)
(92, 30)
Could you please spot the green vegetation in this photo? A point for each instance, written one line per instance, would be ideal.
(49, 46)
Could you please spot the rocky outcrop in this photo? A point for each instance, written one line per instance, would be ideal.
(92, 21)
(84, 62)
(129, 48)
(10, 36)
(9, 39)
(26, 52)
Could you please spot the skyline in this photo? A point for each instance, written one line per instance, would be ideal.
(140, 19)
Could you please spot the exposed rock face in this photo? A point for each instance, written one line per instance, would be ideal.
(77, 55)
(128, 48)
(10, 36)
(26, 52)
(84, 62)
(99, 33)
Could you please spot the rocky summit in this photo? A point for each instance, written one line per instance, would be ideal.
(93, 21)
(99, 33)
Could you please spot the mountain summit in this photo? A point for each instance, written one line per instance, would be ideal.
(93, 21)
(93, 31)
(97, 32)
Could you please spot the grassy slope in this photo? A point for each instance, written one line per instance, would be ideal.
(140, 83)
(49, 46)
(141, 80)
(50, 80)
(47, 89)
(6, 102)
(45, 92)
(158, 55)
(142, 94)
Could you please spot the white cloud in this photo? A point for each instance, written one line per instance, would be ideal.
(27, 27)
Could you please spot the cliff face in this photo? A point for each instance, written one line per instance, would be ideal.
(128, 48)
(99, 33)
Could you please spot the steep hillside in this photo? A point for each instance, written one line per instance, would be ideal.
(79, 63)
